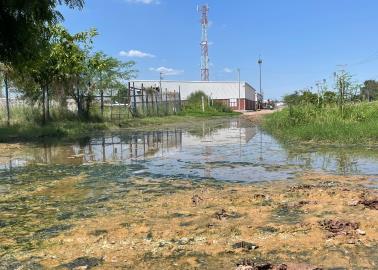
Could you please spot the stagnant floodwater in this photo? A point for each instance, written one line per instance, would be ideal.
(35, 206)
(230, 150)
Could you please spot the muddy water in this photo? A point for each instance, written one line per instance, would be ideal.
(181, 197)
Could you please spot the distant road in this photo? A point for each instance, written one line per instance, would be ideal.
(257, 116)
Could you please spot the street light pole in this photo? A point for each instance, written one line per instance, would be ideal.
(260, 63)
(239, 89)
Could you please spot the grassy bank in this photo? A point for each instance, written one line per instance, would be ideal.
(358, 124)
(26, 120)
(74, 129)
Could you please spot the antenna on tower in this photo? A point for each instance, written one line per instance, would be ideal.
(204, 10)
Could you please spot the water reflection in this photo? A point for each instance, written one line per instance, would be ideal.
(230, 149)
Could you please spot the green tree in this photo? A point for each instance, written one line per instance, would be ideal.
(301, 97)
(72, 63)
(111, 74)
(83, 74)
(369, 91)
(24, 26)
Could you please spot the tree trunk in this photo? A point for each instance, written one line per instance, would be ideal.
(102, 103)
(78, 101)
(7, 99)
(47, 103)
(43, 105)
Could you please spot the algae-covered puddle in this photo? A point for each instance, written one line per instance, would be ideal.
(230, 150)
(144, 199)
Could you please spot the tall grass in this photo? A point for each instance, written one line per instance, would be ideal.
(27, 114)
(193, 106)
(26, 124)
(358, 124)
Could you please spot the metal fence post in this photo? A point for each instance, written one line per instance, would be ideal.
(174, 102)
(134, 99)
(156, 103)
(179, 96)
(147, 108)
(142, 88)
(166, 101)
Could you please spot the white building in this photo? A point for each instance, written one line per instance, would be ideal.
(224, 92)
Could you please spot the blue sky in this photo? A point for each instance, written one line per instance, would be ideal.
(300, 41)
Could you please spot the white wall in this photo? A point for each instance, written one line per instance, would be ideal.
(250, 92)
(217, 90)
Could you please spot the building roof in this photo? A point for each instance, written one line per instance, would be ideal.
(184, 81)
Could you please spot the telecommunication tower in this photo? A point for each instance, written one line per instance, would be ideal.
(204, 10)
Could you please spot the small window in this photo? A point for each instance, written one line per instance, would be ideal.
(233, 102)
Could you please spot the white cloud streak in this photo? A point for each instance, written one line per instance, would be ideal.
(136, 54)
(167, 71)
(144, 2)
(227, 70)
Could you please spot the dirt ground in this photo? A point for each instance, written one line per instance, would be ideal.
(256, 116)
(317, 220)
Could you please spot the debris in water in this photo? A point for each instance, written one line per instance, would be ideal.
(83, 262)
(339, 227)
(353, 203)
(222, 214)
(245, 245)
(249, 264)
(196, 199)
(52, 231)
(302, 187)
(372, 204)
(259, 196)
(98, 232)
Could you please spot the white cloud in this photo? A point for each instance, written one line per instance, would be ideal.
(227, 70)
(145, 2)
(167, 71)
(136, 54)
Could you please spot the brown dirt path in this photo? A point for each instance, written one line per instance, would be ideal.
(256, 116)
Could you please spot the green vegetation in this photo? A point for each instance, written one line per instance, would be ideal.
(41, 62)
(193, 106)
(340, 116)
(357, 123)
(27, 124)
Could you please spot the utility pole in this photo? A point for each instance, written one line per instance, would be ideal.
(260, 64)
(161, 77)
(239, 89)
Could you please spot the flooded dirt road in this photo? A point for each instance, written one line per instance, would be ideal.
(218, 194)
